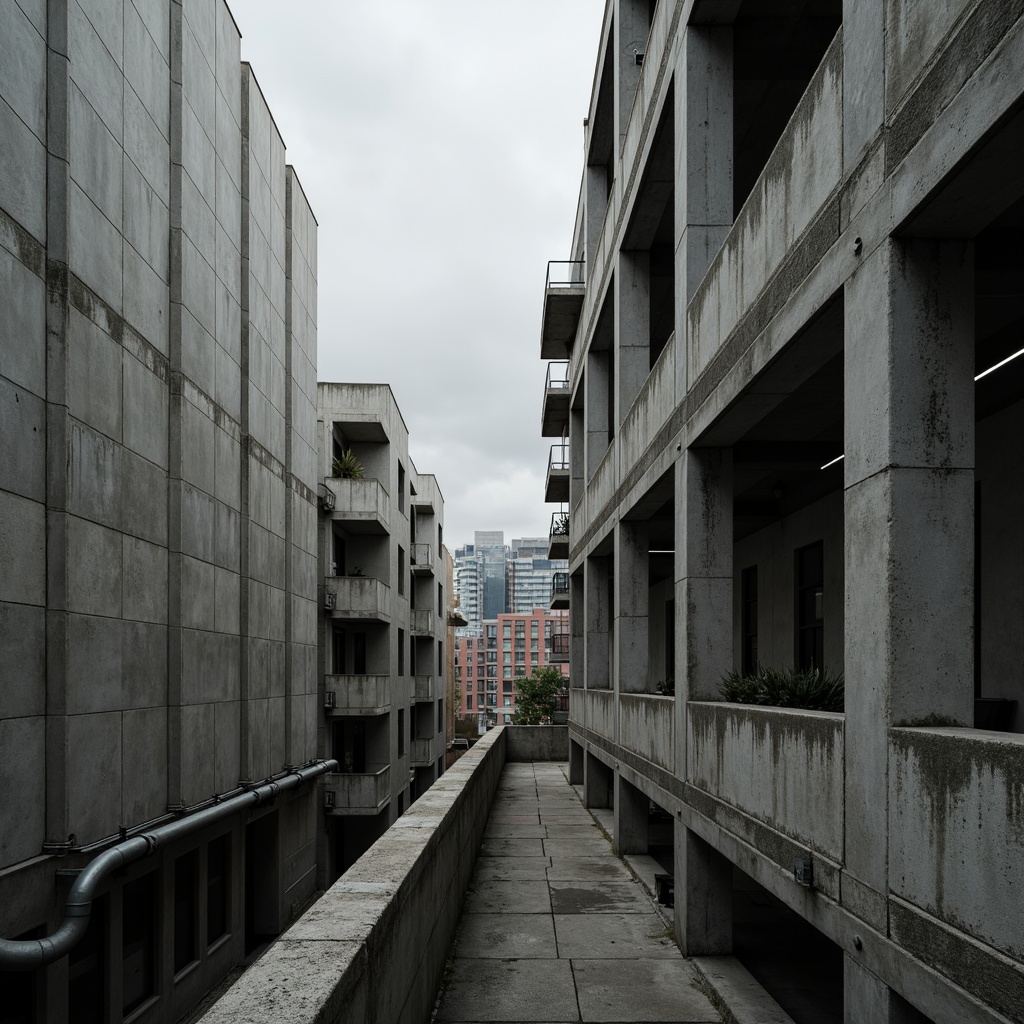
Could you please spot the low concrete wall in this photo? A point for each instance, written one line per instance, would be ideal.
(647, 727)
(375, 945)
(536, 742)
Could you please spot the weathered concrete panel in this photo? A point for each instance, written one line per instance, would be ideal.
(647, 727)
(22, 741)
(780, 766)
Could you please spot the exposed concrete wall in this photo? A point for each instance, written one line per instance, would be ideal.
(536, 742)
(374, 946)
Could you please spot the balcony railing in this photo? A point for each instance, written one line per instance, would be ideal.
(558, 537)
(559, 652)
(425, 687)
(422, 622)
(556, 487)
(358, 792)
(423, 751)
(360, 502)
(357, 694)
(554, 418)
(560, 590)
(564, 289)
(422, 559)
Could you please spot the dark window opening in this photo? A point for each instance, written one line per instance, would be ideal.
(401, 732)
(87, 971)
(218, 872)
(338, 651)
(748, 626)
(138, 942)
(359, 653)
(186, 910)
(348, 743)
(810, 622)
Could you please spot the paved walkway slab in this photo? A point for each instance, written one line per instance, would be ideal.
(555, 928)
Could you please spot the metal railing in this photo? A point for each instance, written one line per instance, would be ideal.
(557, 377)
(566, 274)
(559, 524)
(558, 457)
(560, 583)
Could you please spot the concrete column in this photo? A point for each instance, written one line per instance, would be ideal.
(703, 163)
(597, 624)
(632, 27)
(596, 206)
(595, 410)
(575, 764)
(703, 896)
(632, 328)
(868, 1000)
(631, 818)
(631, 607)
(597, 781)
(704, 545)
(577, 456)
(909, 479)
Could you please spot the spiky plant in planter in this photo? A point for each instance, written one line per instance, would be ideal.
(347, 466)
(810, 689)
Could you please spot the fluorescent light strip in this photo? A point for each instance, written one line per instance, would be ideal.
(1008, 359)
(834, 461)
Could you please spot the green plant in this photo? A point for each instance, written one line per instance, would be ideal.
(356, 570)
(811, 689)
(561, 524)
(347, 465)
(666, 687)
(536, 696)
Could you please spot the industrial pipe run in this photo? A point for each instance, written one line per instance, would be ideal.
(30, 954)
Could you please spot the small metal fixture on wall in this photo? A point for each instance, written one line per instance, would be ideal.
(803, 871)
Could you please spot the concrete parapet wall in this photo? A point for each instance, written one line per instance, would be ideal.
(647, 727)
(536, 742)
(374, 946)
(782, 767)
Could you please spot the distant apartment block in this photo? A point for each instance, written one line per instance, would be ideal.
(385, 609)
(512, 646)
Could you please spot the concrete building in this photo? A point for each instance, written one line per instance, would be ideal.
(513, 645)
(795, 424)
(382, 634)
(481, 579)
(158, 475)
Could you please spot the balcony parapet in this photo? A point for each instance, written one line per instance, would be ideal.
(564, 289)
(559, 590)
(558, 535)
(556, 486)
(360, 793)
(423, 751)
(422, 560)
(426, 687)
(360, 502)
(357, 694)
(422, 621)
(359, 598)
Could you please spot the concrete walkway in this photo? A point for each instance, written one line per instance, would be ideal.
(555, 928)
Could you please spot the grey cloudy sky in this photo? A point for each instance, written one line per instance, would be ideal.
(440, 143)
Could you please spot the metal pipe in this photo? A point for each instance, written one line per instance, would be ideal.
(30, 954)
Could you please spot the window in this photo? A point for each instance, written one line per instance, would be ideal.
(492, 699)
(440, 598)
(401, 653)
(186, 870)
(492, 671)
(533, 628)
(507, 672)
(506, 719)
(87, 970)
(401, 570)
(218, 868)
(748, 620)
(401, 490)
(401, 732)
(507, 658)
(506, 631)
(469, 702)
(138, 942)
(506, 687)
(440, 716)
(359, 654)
(507, 702)
(338, 651)
(810, 624)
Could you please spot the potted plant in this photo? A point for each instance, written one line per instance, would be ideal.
(347, 466)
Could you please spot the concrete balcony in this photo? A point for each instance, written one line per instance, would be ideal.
(423, 752)
(554, 416)
(559, 590)
(361, 504)
(427, 687)
(421, 560)
(357, 598)
(558, 537)
(559, 653)
(564, 289)
(556, 486)
(359, 793)
(357, 695)
(422, 621)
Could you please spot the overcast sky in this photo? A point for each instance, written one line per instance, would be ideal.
(440, 144)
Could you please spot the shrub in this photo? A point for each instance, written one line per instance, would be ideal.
(811, 689)
(347, 465)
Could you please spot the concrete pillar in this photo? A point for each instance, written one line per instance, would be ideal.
(631, 607)
(703, 896)
(868, 1000)
(632, 27)
(632, 328)
(703, 163)
(597, 781)
(703, 581)
(597, 182)
(575, 764)
(631, 818)
(909, 487)
(595, 411)
(577, 456)
(597, 624)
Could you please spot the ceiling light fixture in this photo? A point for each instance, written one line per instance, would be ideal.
(834, 461)
(1008, 359)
